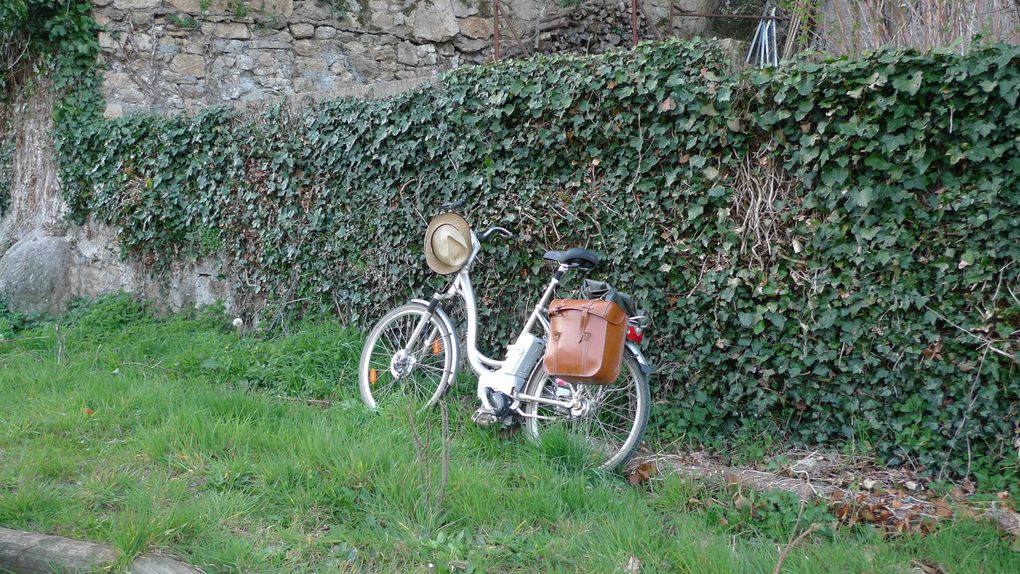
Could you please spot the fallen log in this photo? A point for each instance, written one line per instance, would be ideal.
(31, 553)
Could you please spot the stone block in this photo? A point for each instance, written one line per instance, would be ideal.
(101, 3)
(276, 36)
(382, 20)
(325, 32)
(34, 275)
(195, 46)
(312, 11)
(189, 6)
(232, 30)
(238, 88)
(167, 49)
(113, 111)
(427, 55)
(141, 42)
(270, 45)
(469, 45)
(106, 41)
(266, 64)
(279, 8)
(306, 66)
(407, 54)
(434, 21)
(189, 65)
(302, 31)
(307, 48)
(229, 46)
(244, 62)
(135, 4)
(116, 81)
(465, 8)
(475, 27)
(341, 68)
(131, 96)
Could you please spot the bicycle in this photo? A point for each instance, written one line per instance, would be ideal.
(415, 349)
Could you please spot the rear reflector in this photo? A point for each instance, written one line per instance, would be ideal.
(634, 334)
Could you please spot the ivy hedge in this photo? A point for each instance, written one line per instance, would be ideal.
(828, 250)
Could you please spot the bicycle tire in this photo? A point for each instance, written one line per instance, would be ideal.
(427, 375)
(616, 452)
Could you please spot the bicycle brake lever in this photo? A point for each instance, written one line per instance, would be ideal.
(456, 205)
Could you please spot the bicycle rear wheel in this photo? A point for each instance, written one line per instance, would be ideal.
(424, 372)
(613, 420)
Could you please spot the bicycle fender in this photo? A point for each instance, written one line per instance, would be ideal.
(646, 367)
(445, 319)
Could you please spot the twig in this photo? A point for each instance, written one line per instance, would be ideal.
(987, 342)
(791, 544)
(966, 414)
(418, 449)
(445, 453)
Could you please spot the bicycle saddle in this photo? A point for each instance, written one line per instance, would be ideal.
(574, 255)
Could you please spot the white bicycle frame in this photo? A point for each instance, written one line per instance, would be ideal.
(480, 363)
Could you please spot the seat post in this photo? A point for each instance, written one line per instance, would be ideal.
(546, 297)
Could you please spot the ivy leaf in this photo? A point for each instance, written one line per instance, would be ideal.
(835, 176)
(910, 84)
(862, 196)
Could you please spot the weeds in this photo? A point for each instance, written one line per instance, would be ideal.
(138, 440)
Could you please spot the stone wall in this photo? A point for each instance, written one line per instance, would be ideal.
(166, 56)
(170, 55)
(47, 262)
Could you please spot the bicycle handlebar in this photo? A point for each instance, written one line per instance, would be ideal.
(495, 230)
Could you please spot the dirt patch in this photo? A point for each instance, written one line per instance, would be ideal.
(855, 490)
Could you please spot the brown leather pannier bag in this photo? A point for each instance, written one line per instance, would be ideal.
(586, 343)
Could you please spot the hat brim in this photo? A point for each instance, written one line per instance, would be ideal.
(462, 227)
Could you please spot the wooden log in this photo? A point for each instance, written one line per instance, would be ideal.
(546, 26)
(31, 553)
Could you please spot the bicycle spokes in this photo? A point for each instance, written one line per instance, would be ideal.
(393, 368)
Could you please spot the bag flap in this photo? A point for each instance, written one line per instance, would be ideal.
(607, 310)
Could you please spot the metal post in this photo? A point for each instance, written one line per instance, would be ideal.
(495, 28)
(633, 21)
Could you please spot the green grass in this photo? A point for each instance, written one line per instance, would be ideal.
(165, 433)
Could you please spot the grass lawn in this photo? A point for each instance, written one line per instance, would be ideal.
(165, 433)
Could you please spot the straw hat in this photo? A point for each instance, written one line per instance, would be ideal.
(447, 243)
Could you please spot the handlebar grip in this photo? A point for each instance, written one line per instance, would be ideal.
(496, 230)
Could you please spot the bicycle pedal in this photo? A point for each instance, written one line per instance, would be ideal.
(484, 417)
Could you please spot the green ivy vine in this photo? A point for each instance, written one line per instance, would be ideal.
(869, 296)
(58, 37)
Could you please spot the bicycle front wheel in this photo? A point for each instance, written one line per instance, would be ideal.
(611, 419)
(388, 367)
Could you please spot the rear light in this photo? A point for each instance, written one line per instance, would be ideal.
(634, 334)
